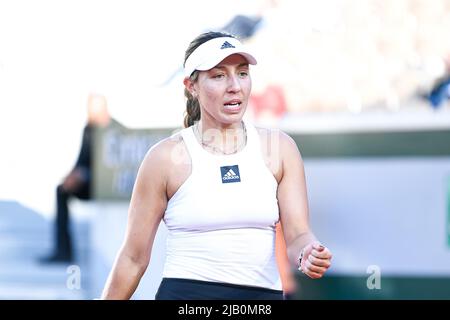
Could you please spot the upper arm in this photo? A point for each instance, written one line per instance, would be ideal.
(147, 205)
(292, 194)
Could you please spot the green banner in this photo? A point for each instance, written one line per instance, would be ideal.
(119, 151)
(118, 154)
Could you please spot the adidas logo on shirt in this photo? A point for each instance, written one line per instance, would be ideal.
(227, 45)
(230, 174)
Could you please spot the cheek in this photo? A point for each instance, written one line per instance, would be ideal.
(211, 93)
(247, 87)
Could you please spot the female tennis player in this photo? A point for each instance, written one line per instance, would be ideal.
(220, 185)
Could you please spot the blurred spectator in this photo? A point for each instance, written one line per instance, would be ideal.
(440, 91)
(78, 182)
(269, 105)
(242, 26)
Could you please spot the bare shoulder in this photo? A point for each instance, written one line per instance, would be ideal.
(280, 151)
(274, 132)
(165, 154)
(288, 144)
(278, 141)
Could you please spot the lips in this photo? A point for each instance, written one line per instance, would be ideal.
(234, 101)
(233, 105)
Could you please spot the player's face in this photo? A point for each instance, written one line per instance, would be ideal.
(223, 91)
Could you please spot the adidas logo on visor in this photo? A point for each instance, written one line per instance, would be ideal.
(230, 174)
(227, 45)
(211, 52)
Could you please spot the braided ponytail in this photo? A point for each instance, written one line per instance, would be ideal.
(193, 112)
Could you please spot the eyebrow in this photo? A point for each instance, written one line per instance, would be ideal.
(244, 64)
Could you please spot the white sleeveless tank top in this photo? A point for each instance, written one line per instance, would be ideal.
(221, 221)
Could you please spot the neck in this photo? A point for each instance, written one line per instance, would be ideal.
(206, 123)
(224, 139)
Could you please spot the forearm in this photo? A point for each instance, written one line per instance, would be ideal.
(124, 278)
(296, 246)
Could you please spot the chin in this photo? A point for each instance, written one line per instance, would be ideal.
(230, 119)
(233, 116)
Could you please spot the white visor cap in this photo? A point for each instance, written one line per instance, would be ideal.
(212, 52)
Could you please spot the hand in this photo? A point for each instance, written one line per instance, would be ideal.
(316, 260)
(72, 181)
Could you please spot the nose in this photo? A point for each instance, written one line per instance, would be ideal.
(234, 84)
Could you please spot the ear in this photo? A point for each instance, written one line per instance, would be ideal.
(189, 84)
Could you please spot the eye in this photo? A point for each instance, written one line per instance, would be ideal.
(243, 74)
(218, 76)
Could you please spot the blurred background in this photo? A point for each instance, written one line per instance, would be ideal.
(362, 86)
